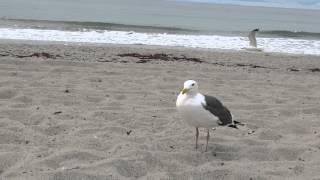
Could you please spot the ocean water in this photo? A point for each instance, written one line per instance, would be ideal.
(161, 22)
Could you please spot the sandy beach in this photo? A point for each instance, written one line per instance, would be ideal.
(76, 111)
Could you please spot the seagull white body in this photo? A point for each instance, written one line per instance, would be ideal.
(201, 111)
(192, 111)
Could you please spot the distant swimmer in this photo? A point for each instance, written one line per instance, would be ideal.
(252, 38)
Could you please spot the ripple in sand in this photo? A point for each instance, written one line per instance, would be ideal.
(7, 93)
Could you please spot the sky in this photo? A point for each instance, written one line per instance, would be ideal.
(303, 4)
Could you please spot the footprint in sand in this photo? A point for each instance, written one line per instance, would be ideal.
(225, 152)
(7, 93)
(8, 159)
(11, 137)
(62, 160)
(269, 134)
(77, 175)
(131, 168)
(23, 99)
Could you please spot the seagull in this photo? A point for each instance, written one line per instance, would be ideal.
(202, 111)
(252, 38)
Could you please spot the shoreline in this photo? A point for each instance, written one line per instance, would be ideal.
(271, 45)
(179, 48)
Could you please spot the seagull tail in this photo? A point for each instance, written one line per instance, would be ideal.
(238, 123)
(235, 124)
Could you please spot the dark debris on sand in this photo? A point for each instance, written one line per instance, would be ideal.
(35, 54)
(144, 58)
(149, 58)
(314, 69)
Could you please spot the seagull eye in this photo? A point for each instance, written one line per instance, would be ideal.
(192, 84)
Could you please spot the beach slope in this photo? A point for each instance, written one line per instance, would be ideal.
(108, 112)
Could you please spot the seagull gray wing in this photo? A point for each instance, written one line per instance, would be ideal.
(215, 107)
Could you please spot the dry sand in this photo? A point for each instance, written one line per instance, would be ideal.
(64, 115)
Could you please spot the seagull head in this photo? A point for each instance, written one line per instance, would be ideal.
(190, 87)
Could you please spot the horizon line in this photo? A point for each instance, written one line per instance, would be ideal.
(259, 4)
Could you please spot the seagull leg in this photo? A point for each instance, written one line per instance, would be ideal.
(208, 137)
(197, 136)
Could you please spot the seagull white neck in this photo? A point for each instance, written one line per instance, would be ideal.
(182, 98)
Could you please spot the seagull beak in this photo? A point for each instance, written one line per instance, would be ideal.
(184, 90)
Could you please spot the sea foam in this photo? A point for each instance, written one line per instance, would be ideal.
(279, 45)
